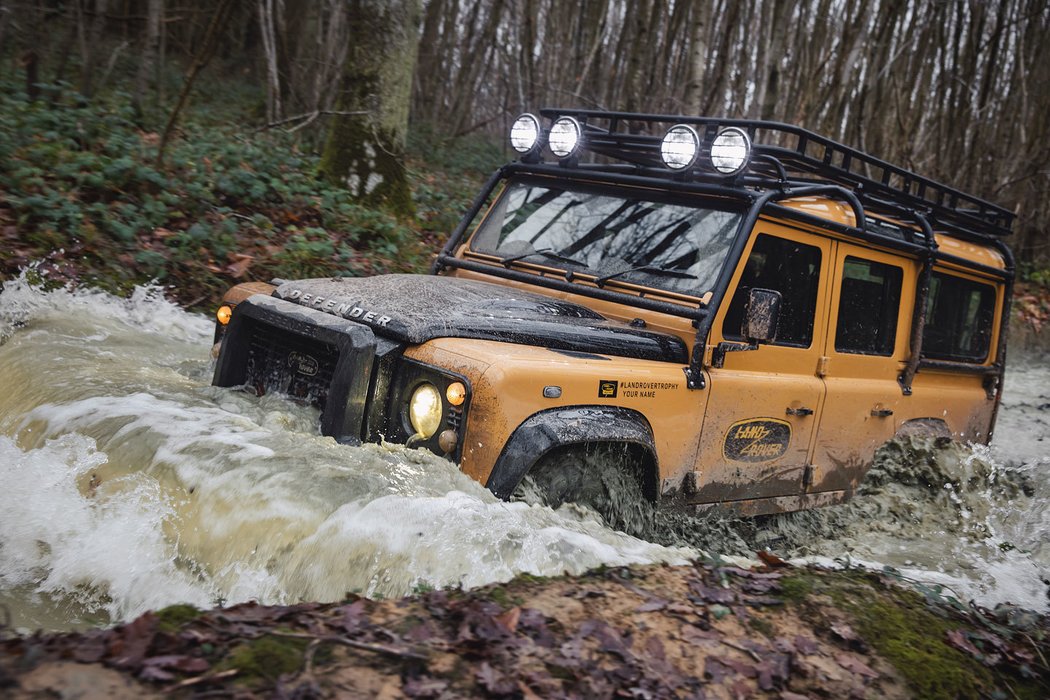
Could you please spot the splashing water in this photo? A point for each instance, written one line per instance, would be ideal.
(131, 483)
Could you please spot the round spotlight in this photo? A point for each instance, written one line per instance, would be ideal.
(564, 137)
(730, 151)
(524, 133)
(424, 410)
(680, 147)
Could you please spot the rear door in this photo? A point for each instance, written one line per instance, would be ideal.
(872, 299)
(764, 404)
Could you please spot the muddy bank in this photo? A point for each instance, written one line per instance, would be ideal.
(703, 630)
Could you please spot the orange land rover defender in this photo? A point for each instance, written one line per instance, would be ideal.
(736, 312)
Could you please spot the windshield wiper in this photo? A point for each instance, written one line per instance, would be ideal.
(645, 268)
(545, 252)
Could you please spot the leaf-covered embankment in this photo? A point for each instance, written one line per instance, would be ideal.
(706, 630)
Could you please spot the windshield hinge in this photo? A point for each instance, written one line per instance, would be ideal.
(694, 377)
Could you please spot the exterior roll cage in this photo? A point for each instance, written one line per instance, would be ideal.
(787, 162)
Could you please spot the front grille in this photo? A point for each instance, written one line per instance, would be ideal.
(290, 364)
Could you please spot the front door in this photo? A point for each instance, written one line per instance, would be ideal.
(764, 404)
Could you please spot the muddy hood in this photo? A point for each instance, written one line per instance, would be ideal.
(417, 308)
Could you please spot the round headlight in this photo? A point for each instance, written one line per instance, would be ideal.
(730, 151)
(424, 410)
(564, 138)
(680, 146)
(524, 133)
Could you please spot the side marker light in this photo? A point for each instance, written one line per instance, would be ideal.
(456, 393)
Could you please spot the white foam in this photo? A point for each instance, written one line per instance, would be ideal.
(104, 547)
(145, 310)
(390, 543)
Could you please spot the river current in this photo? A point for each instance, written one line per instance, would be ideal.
(129, 483)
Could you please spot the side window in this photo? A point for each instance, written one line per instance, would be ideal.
(786, 266)
(959, 315)
(869, 304)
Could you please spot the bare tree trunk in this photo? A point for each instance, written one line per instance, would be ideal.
(90, 47)
(364, 152)
(5, 19)
(267, 13)
(698, 50)
(207, 50)
(147, 70)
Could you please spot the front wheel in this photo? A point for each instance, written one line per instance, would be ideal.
(604, 477)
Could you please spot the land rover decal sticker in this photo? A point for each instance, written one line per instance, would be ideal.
(610, 389)
(756, 440)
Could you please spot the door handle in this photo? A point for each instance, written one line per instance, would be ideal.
(882, 412)
(801, 411)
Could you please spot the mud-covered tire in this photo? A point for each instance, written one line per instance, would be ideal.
(605, 477)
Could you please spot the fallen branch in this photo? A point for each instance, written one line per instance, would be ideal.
(353, 644)
(206, 678)
(309, 117)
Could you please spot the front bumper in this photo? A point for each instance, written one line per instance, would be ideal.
(273, 345)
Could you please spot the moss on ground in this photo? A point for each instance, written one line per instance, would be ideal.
(906, 631)
(266, 658)
(173, 617)
(796, 586)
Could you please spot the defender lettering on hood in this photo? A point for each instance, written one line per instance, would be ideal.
(334, 306)
(416, 308)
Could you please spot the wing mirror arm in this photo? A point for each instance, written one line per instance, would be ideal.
(761, 318)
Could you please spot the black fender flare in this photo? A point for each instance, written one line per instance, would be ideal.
(559, 427)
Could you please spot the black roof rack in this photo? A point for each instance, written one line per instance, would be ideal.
(784, 155)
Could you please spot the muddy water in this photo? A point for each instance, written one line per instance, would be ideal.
(129, 483)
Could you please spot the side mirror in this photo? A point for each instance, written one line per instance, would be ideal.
(761, 316)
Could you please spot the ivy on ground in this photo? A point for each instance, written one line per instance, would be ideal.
(81, 191)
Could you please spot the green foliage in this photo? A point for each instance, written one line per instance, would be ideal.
(473, 154)
(1035, 274)
(79, 184)
(446, 174)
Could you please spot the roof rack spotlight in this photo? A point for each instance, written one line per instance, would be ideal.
(564, 138)
(525, 133)
(730, 151)
(680, 147)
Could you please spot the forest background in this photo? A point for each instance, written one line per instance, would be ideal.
(191, 142)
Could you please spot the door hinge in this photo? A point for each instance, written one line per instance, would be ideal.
(807, 477)
(822, 366)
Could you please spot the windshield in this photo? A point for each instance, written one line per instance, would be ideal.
(657, 243)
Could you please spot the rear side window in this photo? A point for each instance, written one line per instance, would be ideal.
(959, 315)
(786, 266)
(869, 304)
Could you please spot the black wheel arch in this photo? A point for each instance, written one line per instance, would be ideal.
(575, 426)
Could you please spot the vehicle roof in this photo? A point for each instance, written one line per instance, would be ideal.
(786, 157)
(976, 252)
